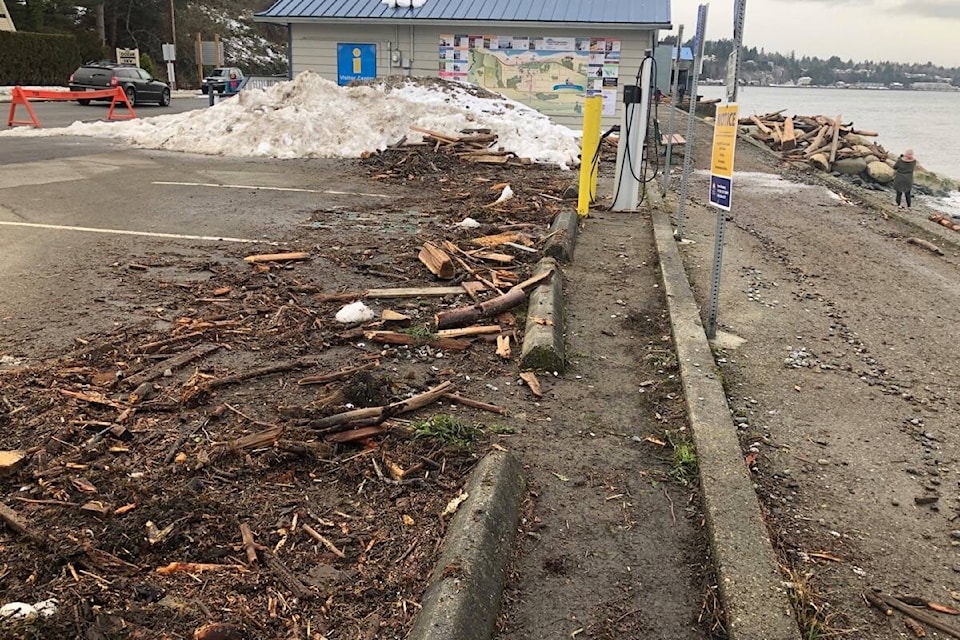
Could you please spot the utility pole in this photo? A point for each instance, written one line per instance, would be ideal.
(173, 24)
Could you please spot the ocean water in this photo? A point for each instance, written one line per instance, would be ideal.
(925, 121)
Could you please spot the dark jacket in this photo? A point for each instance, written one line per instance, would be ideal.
(903, 181)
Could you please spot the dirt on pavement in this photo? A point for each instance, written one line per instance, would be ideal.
(844, 390)
(318, 529)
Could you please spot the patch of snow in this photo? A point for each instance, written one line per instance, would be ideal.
(310, 117)
(505, 195)
(5, 92)
(949, 205)
(245, 47)
(355, 312)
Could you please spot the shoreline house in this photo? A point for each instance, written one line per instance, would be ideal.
(548, 54)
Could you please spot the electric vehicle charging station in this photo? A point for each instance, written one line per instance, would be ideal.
(633, 136)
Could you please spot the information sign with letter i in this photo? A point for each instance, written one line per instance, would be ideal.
(721, 160)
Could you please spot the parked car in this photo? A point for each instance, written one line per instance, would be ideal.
(139, 85)
(222, 79)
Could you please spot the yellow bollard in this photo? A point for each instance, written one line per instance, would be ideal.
(592, 111)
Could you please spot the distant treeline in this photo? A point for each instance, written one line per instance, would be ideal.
(759, 65)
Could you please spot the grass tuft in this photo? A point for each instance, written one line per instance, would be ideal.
(447, 429)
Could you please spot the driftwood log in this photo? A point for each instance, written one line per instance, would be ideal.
(469, 315)
(387, 411)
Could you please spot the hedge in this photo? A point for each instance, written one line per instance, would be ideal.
(37, 58)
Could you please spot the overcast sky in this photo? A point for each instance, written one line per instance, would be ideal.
(894, 30)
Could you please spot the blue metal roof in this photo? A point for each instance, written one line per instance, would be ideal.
(616, 12)
(686, 53)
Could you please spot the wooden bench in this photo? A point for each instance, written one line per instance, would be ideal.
(667, 140)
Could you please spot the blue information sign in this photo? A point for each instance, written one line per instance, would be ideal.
(720, 189)
(356, 62)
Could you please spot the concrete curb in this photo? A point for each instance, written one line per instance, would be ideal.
(563, 236)
(463, 599)
(543, 347)
(756, 605)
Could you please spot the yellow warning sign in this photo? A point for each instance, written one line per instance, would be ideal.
(721, 162)
(724, 141)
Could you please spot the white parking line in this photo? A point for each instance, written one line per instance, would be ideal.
(256, 188)
(125, 232)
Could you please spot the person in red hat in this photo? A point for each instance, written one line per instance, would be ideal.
(903, 181)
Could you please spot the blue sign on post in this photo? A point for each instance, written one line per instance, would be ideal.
(720, 189)
(356, 62)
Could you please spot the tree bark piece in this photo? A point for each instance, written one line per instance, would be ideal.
(476, 404)
(919, 615)
(265, 438)
(836, 139)
(174, 362)
(286, 577)
(345, 437)
(12, 461)
(279, 367)
(531, 379)
(278, 257)
(759, 123)
(393, 337)
(468, 315)
(108, 562)
(10, 518)
(250, 546)
(347, 372)
(789, 139)
(197, 567)
(437, 261)
(326, 543)
(386, 411)
(152, 347)
(929, 246)
(469, 331)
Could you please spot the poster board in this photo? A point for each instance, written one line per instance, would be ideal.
(550, 74)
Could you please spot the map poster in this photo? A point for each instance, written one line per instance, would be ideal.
(550, 74)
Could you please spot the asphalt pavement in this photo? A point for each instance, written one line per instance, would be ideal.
(62, 114)
(71, 207)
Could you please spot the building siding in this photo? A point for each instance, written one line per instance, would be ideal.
(314, 47)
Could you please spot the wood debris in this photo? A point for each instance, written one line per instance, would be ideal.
(531, 379)
(467, 146)
(11, 461)
(292, 256)
(821, 141)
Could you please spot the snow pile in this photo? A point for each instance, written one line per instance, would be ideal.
(310, 117)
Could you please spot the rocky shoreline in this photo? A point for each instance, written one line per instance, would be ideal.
(840, 149)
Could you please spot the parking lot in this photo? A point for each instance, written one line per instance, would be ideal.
(76, 211)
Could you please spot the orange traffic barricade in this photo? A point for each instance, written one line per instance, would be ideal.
(20, 96)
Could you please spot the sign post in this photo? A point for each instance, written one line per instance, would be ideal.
(721, 193)
(721, 163)
(170, 56)
(698, 45)
(128, 56)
